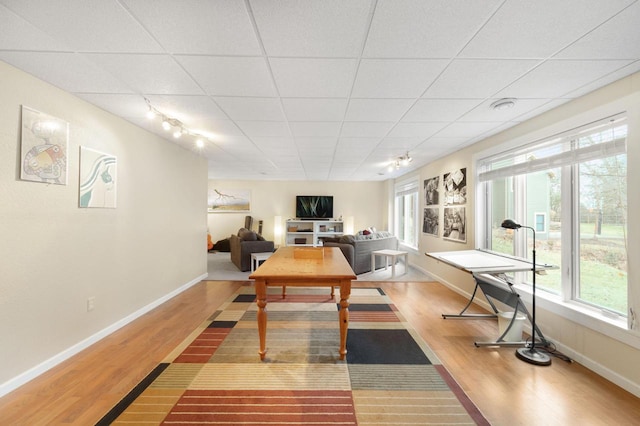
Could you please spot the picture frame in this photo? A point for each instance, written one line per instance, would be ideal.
(44, 143)
(98, 179)
(229, 201)
(431, 221)
(454, 224)
(455, 187)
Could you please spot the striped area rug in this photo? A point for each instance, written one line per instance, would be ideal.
(215, 377)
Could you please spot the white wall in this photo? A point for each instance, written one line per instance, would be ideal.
(56, 255)
(610, 351)
(366, 202)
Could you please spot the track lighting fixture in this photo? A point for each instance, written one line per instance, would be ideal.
(402, 161)
(179, 129)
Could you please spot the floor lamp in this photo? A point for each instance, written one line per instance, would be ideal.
(530, 354)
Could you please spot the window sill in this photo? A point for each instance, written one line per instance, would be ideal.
(592, 318)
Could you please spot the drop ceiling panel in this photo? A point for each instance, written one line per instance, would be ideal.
(377, 109)
(54, 68)
(365, 129)
(315, 129)
(538, 29)
(149, 74)
(320, 78)
(221, 27)
(556, 78)
(275, 144)
(395, 78)
(246, 109)
(230, 76)
(328, 28)
(120, 105)
(429, 110)
(265, 128)
(314, 109)
(618, 38)
(603, 81)
(477, 78)
(466, 130)
(104, 26)
(425, 29)
(18, 34)
(415, 130)
(316, 144)
(484, 111)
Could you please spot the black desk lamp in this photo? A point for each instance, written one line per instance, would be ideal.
(530, 354)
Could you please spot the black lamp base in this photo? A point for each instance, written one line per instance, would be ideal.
(533, 356)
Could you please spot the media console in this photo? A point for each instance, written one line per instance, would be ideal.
(309, 232)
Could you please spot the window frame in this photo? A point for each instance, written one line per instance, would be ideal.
(410, 186)
(564, 305)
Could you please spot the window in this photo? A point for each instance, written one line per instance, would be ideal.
(572, 190)
(540, 222)
(406, 223)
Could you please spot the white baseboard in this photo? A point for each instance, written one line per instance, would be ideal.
(14, 383)
(592, 365)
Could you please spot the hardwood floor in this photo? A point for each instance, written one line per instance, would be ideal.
(508, 391)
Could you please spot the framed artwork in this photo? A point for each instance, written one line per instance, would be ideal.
(430, 221)
(455, 224)
(44, 144)
(431, 191)
(229, 201)
(455, 187)
(98, 179)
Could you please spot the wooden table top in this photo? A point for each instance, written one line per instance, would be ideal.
(283, 265)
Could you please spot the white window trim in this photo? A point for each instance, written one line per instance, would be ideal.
(399, 187)
(582, 314)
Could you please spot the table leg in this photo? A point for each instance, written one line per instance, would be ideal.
(373, 263)
(345, 292)
(393, 266)
(406, 263)
(261, 301)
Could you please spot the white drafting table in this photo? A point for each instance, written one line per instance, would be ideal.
(488, 270)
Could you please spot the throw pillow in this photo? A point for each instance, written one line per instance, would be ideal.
(247, 235)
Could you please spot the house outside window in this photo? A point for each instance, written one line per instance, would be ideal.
(572, 189)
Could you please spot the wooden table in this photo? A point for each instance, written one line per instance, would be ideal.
(284, 268)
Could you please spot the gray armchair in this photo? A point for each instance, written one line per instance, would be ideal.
(245, 243)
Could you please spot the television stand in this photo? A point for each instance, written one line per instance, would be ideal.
(299, 233)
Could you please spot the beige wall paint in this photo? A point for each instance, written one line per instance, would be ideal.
(366, 202)
(56, 255)
(614, 352)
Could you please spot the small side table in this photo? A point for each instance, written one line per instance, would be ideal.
(256, 258)
(393, 255)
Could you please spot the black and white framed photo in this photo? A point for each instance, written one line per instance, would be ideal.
(454, 224)
(430, 221)
(431, 191)
(455, 187)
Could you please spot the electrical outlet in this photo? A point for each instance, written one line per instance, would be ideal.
(91, 304)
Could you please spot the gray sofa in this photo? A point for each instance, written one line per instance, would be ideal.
(359, 247)
(245, 243)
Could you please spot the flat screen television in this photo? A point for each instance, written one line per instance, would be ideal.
(314, 207)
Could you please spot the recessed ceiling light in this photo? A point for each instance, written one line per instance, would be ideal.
(504, 103)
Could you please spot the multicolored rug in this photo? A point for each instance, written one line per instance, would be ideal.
(215, 377)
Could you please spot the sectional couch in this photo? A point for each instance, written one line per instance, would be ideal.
(357, 248)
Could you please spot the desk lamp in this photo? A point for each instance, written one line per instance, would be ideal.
(530, 354)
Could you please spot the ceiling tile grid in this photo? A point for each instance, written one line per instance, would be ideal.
(323, 90)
